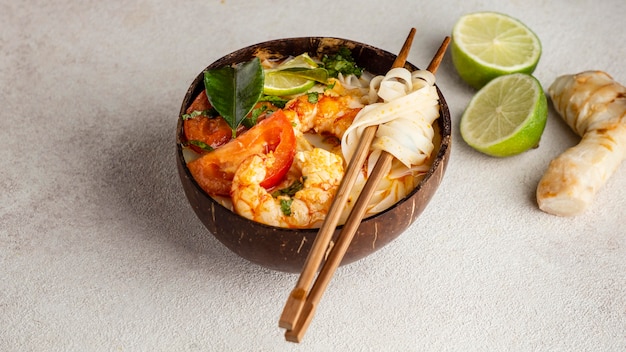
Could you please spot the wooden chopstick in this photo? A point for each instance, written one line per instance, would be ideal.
(436, 60)
(298, 295)
(352, 223)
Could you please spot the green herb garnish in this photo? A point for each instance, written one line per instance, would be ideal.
(285, 195)
(341, 62)
(275, 100)
(234, 90)
(285, 206)
(313, 97)
(209, 113)
(201, 145)
(254, 116)
(289, 191)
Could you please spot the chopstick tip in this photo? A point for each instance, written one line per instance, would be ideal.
(291, 336)
(436, 61)
(297, 333)
(293, 307)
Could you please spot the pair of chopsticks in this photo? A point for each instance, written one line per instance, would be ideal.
(304, 298)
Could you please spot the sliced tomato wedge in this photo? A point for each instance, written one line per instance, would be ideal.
(213, 131)
(214, 171)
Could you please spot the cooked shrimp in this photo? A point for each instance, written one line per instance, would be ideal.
(330, 114)
(302, 207)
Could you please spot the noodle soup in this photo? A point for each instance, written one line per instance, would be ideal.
(283, 248)
(327, 119)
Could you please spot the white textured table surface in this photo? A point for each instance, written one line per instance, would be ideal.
(99, 250)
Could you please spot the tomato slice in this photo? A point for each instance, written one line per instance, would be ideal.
(213, 131)
(201, 102)
(215, 170)
(210, 130)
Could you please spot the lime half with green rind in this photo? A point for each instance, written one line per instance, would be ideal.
(486, 45)
(506, 117)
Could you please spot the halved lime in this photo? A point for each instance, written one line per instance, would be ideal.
(294, 76)
(506, 117)
(302, 60)
(315, 74)
(277, 83)
(486, 45)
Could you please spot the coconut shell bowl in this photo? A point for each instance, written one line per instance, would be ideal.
(286, 249)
